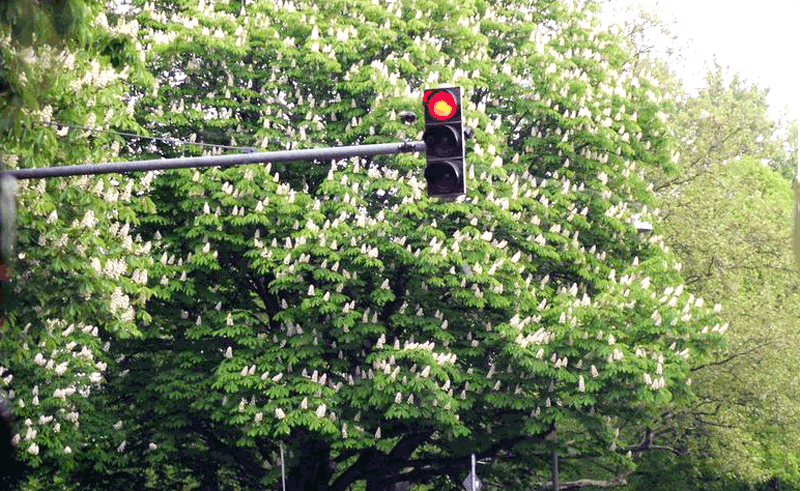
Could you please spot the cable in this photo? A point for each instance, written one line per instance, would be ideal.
(174, 141)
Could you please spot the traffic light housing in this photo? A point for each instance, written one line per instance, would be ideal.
(444, 142)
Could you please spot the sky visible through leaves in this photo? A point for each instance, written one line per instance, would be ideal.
(752, 39)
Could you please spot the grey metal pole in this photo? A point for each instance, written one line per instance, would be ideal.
(474, 485)
(556, 485)
(283, 470)
(325, 153)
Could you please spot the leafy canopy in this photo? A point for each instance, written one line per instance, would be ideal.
(333, 309)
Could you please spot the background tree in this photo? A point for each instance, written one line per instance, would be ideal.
(76, 276)
(726, 120)
(731, 225)
(726, 217)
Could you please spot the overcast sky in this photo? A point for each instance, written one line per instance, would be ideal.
(758, 39)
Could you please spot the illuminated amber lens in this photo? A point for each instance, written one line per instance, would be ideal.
(442, 109)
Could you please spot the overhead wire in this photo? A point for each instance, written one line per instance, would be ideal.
(171, 140)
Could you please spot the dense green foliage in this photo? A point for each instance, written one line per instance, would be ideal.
(727, 217)
(731, 226)
(180, 330)
(380, 335)
(72, 287)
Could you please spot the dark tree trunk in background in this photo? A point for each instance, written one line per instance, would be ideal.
(310, 466)
(377, 485)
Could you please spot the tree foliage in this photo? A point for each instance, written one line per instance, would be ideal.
(726, 120)
(375, 334)
(730, 226)
(726, 216)
(76, 276)
(199, 324)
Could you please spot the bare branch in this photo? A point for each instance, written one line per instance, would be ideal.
(647, 442)
(584, 483)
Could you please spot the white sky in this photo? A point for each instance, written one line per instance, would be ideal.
(760, 40)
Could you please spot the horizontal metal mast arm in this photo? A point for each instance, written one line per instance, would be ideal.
(326, 153)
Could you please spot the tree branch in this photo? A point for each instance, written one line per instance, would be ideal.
(647, 442)
(730, 357)
(425, 468)
(584, 483)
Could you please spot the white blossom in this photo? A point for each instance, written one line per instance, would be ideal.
(89, 220)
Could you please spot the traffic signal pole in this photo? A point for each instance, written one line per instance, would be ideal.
(325, 153)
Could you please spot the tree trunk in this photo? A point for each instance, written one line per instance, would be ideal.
(378, 485)
(310, 466)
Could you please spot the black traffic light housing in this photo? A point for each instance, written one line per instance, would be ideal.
(444, 142)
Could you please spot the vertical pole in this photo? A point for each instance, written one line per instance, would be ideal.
(555, 471)
(283, 469)
(474, 485)
(8, 214)
(798, 166)
(796, 218)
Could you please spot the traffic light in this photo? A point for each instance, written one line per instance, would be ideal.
(444, 142)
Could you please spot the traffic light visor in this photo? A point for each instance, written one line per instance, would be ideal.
(444, 178)
(442, 141)
(440, 104)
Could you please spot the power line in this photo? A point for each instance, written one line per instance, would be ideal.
(171, 140)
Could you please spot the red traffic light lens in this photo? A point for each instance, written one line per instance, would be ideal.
(441, 105)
